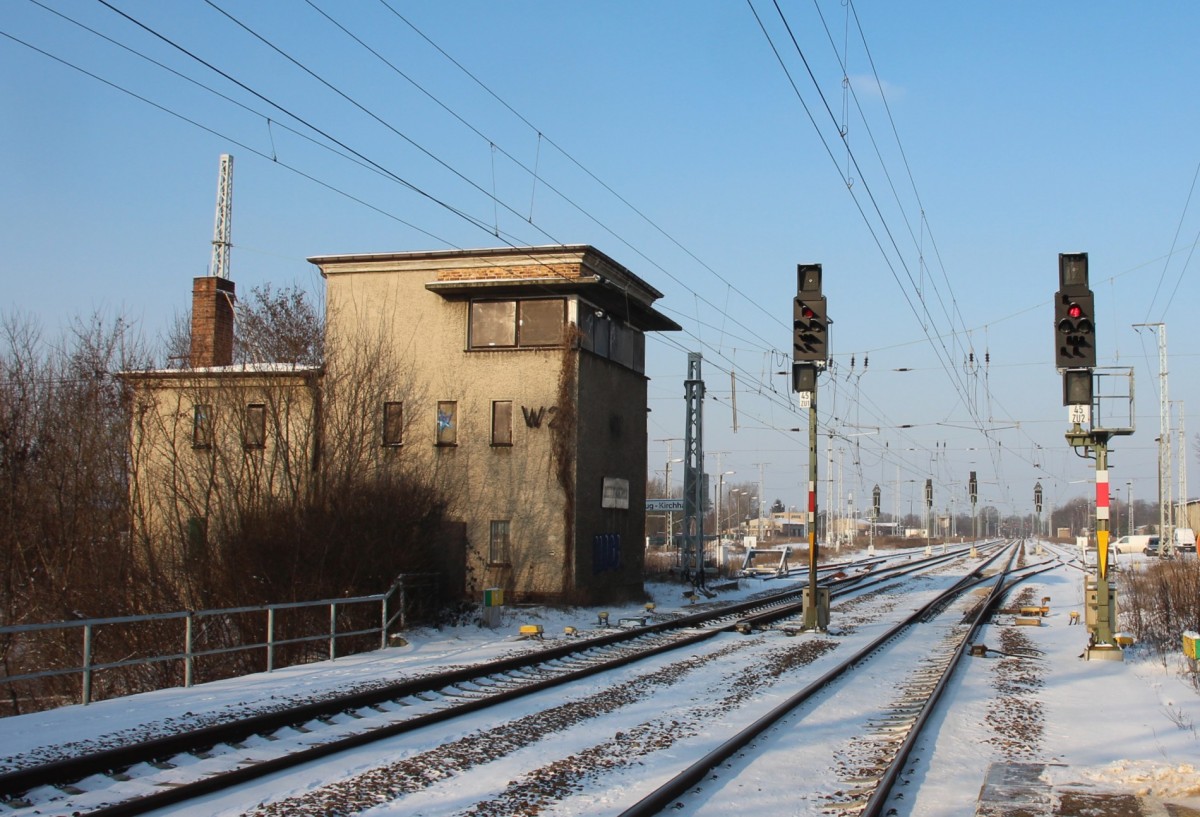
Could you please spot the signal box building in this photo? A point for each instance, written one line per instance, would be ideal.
(528, 407)
(516, 384)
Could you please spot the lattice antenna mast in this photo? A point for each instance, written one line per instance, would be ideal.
(1181, 517)
(223, 224)
(1166, 530)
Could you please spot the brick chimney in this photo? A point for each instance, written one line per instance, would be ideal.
(212, 322)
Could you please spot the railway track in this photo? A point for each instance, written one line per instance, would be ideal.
(869, 766)
(139, 778)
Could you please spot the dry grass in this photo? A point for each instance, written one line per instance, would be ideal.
(1161, 602)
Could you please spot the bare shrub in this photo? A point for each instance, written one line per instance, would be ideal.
(1162, 601)
(312, 506)
(65, 550)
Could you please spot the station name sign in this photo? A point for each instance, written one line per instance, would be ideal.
(664, 504)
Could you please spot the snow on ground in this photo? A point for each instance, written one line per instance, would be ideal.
(1127, 726)
(1131, 726)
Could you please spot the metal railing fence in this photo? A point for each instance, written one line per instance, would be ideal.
(342, 613)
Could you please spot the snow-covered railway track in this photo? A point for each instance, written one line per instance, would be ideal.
(206, 764)
(868, 750)
(591, 749)
(136, 778)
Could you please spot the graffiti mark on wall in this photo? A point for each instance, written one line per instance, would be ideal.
(606, 552)
(534, 417)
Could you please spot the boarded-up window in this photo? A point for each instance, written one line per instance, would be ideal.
(393, 423)
(502, 433)
(447, 422)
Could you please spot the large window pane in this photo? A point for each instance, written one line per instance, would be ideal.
(542, 322)
(493, 324)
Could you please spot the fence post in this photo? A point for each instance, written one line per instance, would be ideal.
(188, 669)
(270, 639)
(383, 611)
(403, 606)
(87, 664)
(332, 630)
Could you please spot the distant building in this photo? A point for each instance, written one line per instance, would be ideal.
(1191, 514)
(518, 388)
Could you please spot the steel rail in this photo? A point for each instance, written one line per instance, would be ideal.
(14, 783)
(666, 794)
(878, 800)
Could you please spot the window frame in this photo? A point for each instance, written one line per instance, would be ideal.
(202, 426)
(500, 542)
(446, 436)
(561, 326)
(254, 427)
(502, 428)
(514, 339)
(477, 319)
(392, 428)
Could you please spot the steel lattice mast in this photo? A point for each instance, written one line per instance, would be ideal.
(223, 223)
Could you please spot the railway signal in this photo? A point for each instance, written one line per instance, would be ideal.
(810, 354)
(810, 322)
(1075, 358)
(1074, 314)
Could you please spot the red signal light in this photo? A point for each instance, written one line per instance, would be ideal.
(808, 313)
(1075, 310)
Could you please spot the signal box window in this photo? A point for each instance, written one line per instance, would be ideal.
(498, 542)
(517, 324)
(393, 424)
(541, 322)
(447, 422)
(254, 431)
(493, 324)
(502, 433)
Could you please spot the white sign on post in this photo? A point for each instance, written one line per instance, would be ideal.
(1079, 414)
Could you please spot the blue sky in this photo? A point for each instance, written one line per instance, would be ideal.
(669, 136)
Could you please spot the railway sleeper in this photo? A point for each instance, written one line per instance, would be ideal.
(851, 807)
(891, 719)
(899, 726)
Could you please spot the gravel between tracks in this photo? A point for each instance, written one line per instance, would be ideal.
(565, 776)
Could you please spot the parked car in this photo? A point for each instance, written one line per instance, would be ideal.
(1185, 540)
(1137, 543)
